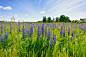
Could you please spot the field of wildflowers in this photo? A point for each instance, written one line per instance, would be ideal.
(42, 40)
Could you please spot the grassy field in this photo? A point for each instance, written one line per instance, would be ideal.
(42, 40)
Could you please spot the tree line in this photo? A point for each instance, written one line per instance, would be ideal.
(62, 18)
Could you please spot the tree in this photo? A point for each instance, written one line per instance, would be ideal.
(62, 18)
(44, 18)
(67, 19)
(12, 18)
(49, 19)
(53, 19)
(57, 19)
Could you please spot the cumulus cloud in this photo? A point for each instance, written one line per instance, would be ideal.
(42, 12)
(16, 15)
(1, 7)
(7, 8)
(1, 16)
(26, 15)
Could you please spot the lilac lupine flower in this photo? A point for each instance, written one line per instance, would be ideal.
(53, 26)
(2, 39)
(51, 41)
(58, 28)
(46, 31)
(49, 34)
(23, 32)
(42, 29)
(71, 38)
(39, 31)
(55, 39)
(1, 28)
(31, 31)
(68, 30)
(72, 32)
(19, 28)
(27, 31)
(63, 32)
(6, 35)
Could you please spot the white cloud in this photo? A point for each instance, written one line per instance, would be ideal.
(1, 7)
(1, 16)
(7, 8)
(26, 15)
(42, 12)
(7, 16)
(16, 15)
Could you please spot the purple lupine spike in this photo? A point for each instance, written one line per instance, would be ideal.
(47, 45)
(46, 31)
(6, 35)
(55, 39)
(1, 28)
(42, 29)
(68, 30)
(39, 31)
(31, 31)
(19, 28)
(49, 34)
(63, 32)
(71, 38)
(2, 39)
(27, 30)
(51, 41)
(23, 32)
(53, 26)
(72, 32)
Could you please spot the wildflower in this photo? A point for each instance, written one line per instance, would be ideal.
(39, 31)
(61, 31)
(72, 32)
(45, 31)
(42, 29)
(51, 41)
(1, 28)
(64, 32)
(49, 34)
(68, 30)
(23, 32)
(2, 39)
(71, 38)
(6, 35)
(31, 31)
(55, 39)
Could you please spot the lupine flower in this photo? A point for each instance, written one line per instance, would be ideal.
(31, 31)
(2, 39)
(6, 35)
(23, 32)
(68, 30)
(1, 28)
(42, 29)
(63, 32)
(71, 38)
(47, 45)
(51, 41)
(39, 31)
(55, 39)
(49, 34)
(27, 31)
(45, 31)
(53, 26)
(72, 32)
(19, 28)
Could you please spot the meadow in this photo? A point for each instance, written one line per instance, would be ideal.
(42, 39)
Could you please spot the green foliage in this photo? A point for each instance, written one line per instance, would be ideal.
(49, 19)
(57, 19)
(44, 18)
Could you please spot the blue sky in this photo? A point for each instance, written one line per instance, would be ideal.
(34, 10)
